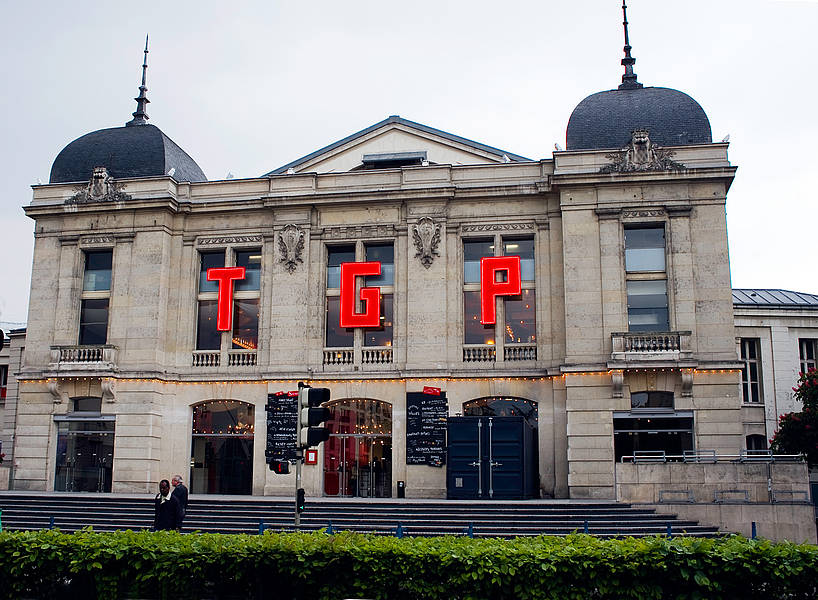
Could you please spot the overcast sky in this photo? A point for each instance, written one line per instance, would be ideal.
(245, 87)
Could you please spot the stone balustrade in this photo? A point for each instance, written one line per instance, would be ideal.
(660, 345)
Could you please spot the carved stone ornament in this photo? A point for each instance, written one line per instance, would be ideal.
(499, 227)
(426, 235)
(230, 239)
(108, 391)
(56, 390)
(291, 246)
(641, 155)
(101, 188)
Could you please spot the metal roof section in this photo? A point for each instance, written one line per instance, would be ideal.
(752, 297)
(395, 119)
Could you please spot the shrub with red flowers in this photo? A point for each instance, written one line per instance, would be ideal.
(798, 431)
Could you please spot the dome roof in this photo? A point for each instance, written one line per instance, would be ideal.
(606, 119)
(137, 151)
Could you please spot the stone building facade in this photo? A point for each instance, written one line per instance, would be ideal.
(604, 330)
(584, 356)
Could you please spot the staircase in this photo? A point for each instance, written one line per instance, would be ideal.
(247, 514)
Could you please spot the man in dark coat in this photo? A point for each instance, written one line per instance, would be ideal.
(167, 510)
(180, 493)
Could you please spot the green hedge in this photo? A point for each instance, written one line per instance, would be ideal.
(50, 564)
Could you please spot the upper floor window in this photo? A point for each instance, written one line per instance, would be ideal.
(94, 301)
(243, 333)
(515, 316)
(382, 252)
(645, 249)
(4, 374)
(750, 370)
(646, 278)
(807, 351)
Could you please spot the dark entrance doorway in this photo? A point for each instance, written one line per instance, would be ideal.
(222, 448)
(358, 454)
(491, 458)
(85, 448)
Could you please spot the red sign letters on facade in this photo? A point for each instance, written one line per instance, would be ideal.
(371, 296)
(490, 288)
(225, 276)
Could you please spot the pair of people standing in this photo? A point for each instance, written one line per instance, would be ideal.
(170, 507)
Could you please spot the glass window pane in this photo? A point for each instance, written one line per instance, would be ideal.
(337, 337)
(645, 249)
(88, 405)
(474, 331)
(383, 335)
(473, 251)
(207, 337)
(210, 260)
(520, 319)
(245, 324)
(97, 276)
(652, 400)
(251, 261)
(385, 253)
(335, 256)
(94, 322)
(525, 250)
(647, 306)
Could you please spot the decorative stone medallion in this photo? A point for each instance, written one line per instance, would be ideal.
(641, 155)
(426, 235)
(291, 245)
(101, 188)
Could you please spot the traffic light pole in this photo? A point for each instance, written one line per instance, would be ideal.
(297, 487)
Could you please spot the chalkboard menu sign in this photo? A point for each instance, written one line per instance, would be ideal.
(426, 415)
(282, 423)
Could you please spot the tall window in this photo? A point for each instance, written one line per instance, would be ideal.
(750, 370)
(244, 332)
(646, 278)
(4, 374)
(96, 292)
(807, 351)
(516, 315)
(382, 252)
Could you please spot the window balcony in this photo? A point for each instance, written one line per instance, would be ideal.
(376, 355)
(518, 352)
(84, 358)
(338, 356)
(479, 353)
(234, 358)
(650, 346)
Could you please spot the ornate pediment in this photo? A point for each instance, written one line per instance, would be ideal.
(100, 188)
(641, 155)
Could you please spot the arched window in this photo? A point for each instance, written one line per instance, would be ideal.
(502, 406)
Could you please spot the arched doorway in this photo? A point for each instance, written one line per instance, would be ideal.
(502, 406)
(358, 454)
(493, 450)
(222, 448)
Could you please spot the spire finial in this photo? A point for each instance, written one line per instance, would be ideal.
(140, 117)
(629, 78)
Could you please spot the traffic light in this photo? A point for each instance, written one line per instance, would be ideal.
(280, 467)
(300, 500)
(312, 414)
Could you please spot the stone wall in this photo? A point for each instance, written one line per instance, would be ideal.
(714, 493)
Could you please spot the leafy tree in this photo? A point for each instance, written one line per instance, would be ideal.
(798, 431)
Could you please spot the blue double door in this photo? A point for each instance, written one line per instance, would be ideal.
(491, 458)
